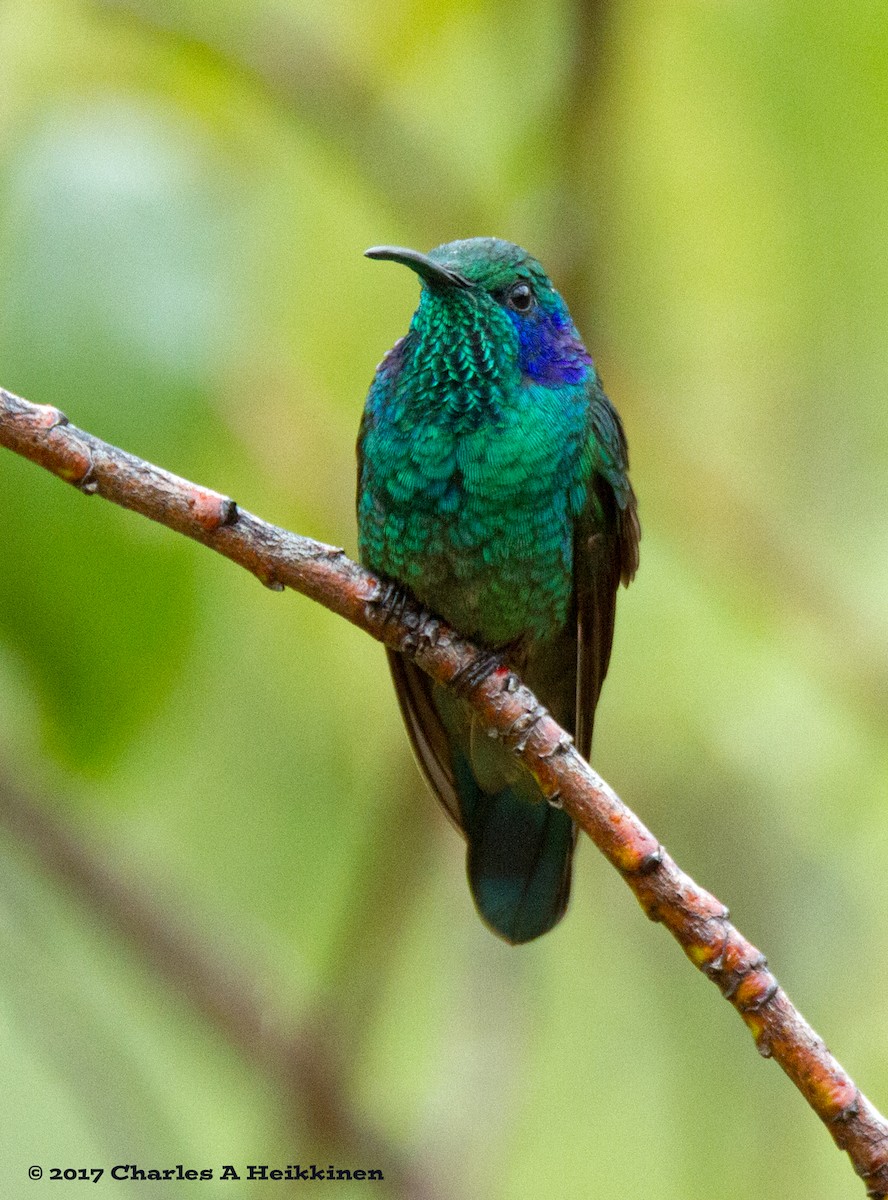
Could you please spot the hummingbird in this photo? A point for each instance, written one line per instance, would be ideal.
(493, 486)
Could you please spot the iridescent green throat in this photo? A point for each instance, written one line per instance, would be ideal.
(459, 361)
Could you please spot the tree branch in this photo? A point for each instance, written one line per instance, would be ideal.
(696, 919)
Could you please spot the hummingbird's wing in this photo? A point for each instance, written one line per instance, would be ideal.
(426, 731)
(412, 686)
(605, 554)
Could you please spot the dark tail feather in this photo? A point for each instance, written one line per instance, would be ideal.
(519, 858)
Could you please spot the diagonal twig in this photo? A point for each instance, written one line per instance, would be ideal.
(272, 48)
(302, 1061)
(695, 918)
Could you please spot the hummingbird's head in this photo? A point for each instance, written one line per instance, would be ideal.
(500, 293)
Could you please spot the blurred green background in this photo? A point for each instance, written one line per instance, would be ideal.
(233, 926)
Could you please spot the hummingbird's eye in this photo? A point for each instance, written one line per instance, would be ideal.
(520, 297)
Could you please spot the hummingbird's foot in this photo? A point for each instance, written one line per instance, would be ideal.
(485, 664)
(398, 606)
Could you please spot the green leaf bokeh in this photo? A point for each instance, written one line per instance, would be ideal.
(185, 193)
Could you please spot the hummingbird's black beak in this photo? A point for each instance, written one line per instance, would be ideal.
(433, 273)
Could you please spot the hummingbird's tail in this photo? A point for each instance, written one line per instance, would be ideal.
(519, 847)
(519, 856)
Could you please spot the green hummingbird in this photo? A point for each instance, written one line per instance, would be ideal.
(492, 484)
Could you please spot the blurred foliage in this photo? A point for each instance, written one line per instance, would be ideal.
(185, 192)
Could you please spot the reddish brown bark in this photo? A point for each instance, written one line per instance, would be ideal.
(280, 559)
